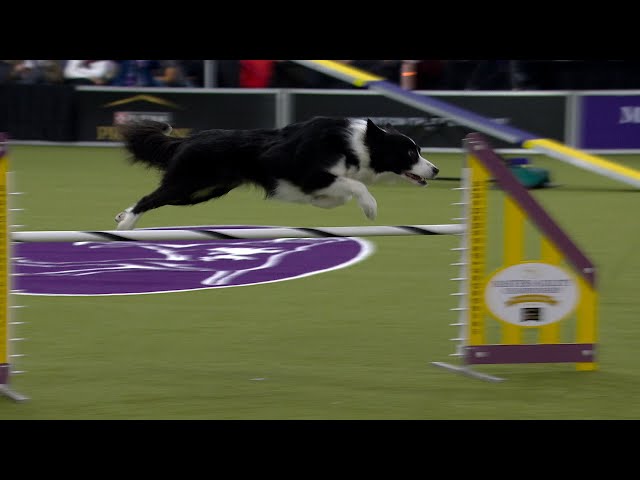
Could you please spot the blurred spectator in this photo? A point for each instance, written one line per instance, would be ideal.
(35, 71)
(456, 73)
(489, 75)
(137, 73)
(172, 74)
(89, 72)
(586, 74)
(16, 71)
(194, 72)
(519, 75)
(255, 73)
(51, 71)
(409, 74)
(486, 75)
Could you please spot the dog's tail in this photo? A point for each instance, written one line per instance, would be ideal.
(149, 142)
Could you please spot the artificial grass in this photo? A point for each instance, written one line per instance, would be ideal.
(354, 343)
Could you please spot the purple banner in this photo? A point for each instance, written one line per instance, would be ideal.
(610, 122)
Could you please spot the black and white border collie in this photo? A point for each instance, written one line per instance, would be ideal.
(324, 161)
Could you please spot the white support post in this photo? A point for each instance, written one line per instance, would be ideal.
(9, 322)
(463, 275)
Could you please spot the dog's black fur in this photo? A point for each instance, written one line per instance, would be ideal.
(323, 161)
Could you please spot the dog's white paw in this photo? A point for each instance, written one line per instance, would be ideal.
(126, 220)
(369, 206)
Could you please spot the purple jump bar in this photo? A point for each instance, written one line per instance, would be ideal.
(536, 353)
(4, 373)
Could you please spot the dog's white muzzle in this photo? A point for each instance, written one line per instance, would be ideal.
(422, 171)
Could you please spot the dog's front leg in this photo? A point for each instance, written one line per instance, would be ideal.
(367, 203)
(325, 201)
(346, 187)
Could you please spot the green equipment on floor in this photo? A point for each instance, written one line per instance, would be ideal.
(527, 174)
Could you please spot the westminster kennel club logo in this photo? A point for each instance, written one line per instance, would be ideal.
(128, 268)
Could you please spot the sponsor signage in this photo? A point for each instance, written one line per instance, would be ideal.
(610, 122)
(100, 110)
(531, 294)
(539, 114)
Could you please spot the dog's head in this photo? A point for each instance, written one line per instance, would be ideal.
(392, 151)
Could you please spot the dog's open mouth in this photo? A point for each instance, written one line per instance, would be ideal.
(418, 180)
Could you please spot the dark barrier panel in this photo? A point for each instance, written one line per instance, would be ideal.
(90, 114)
(610, 122)
(38, 112)
(539, 114)
(187, 110)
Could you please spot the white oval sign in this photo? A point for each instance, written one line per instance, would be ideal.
(531, 294)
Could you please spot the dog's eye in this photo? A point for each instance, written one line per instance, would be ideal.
(412, 153)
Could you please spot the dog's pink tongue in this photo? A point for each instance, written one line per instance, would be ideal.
(416, 178)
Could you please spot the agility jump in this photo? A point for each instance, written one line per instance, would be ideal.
(525, 295)
(544, 305)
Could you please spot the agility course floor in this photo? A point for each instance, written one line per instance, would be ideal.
(352, 343)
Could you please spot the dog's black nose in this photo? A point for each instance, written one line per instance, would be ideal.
(435, 171)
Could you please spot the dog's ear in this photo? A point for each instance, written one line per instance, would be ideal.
(390, 128)
(373, 129)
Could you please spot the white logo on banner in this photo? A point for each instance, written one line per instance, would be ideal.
(630, 114)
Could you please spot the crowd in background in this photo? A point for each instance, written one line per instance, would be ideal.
(410, 74)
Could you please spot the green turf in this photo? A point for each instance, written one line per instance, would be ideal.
(354, 343)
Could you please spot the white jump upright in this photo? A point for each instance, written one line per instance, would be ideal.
(8, 339)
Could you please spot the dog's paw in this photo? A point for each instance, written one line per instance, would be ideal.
(122, 215)
(369, 207)
(126, 220)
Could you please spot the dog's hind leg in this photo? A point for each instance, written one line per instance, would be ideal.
(167, 196)
(126, 219)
